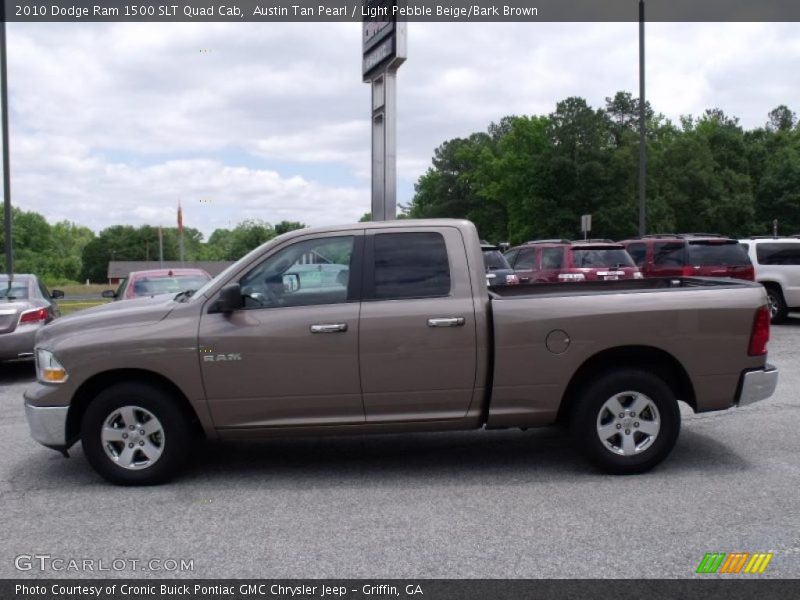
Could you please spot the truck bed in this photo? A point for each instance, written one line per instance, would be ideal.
(544, 332)
(626, 286)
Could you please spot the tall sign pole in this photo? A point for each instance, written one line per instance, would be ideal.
(642, 124)
(9, 248)
(384, 50)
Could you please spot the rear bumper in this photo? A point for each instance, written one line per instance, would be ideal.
(757, 385)
(18, 344)
(48, 424)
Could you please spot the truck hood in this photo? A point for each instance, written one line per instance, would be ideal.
(121, 314)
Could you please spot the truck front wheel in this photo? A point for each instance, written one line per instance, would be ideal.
(626, 421)
(135, 434)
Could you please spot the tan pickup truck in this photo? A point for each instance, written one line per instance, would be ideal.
(389, 327)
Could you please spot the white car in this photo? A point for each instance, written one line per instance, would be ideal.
(777, 264)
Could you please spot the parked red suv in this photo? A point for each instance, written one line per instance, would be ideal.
(543, 261)
(690, 254)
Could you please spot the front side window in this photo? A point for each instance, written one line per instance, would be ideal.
(511, 256)
(526, 259)
(410, 265)
(307, 273)
(638, 253)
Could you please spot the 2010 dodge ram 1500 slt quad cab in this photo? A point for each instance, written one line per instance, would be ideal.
(389, 327)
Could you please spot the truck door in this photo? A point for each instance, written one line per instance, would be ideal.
(417, 332)
(290, 356)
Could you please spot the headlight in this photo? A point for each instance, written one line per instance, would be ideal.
(638, 275)
(48, 369)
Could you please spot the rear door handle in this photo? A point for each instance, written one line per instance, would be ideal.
(329, 328)
(446, 322)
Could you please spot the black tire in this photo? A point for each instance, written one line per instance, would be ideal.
(174, 441)
(586, 421)
(777, 305)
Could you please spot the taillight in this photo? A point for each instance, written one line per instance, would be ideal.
(687, 271)
(34, 316)
(760, 334)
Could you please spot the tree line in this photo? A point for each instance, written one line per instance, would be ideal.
(66, 252)
(530, 177)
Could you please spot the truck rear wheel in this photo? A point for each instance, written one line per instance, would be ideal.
(626, 421)
(135, 434)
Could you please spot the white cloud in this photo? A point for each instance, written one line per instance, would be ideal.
(115, 123)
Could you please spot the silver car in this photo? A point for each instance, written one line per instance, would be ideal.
(25, 305)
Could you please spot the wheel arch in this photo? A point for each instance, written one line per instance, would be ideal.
(648, 358)
(90, 388)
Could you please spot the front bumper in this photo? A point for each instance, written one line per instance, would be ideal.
(757, 385)
(48, 424)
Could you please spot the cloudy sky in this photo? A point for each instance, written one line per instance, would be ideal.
(115, 123)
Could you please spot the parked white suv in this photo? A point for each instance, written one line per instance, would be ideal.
(777, 264)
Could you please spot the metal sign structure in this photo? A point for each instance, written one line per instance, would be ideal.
(586, 225)
(383, 51)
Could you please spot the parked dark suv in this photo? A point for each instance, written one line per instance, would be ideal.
(498, 271)
(544, 261)
(690, 254)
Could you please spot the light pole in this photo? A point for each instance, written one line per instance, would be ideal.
(642, 148)
(9, 249)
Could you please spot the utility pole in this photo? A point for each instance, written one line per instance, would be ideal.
(9, 247)
(160, 248)
(642, 147)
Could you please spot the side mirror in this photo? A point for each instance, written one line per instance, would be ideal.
(56, 294)
(291, 283)
(107, 294)
(230, 299)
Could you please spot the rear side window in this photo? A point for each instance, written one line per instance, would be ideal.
(410, 265)
(668, 254)
(778, 254)
(638, 253)
(704, 254)
(552, 258)
(494, 260)
(526, 259)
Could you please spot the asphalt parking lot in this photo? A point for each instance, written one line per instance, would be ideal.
(479, 504)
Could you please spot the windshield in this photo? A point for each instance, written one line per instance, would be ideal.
(18, 290)
(494, 260)
(601, 257)
(151, 286)
(729, 254)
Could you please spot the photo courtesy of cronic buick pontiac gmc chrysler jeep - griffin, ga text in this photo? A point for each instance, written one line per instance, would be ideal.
(389, 328)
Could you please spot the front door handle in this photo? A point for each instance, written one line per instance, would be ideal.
(446, 322)
(329, 328)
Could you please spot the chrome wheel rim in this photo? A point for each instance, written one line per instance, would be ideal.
(132, 437)
(773, 305)
(628, 423)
